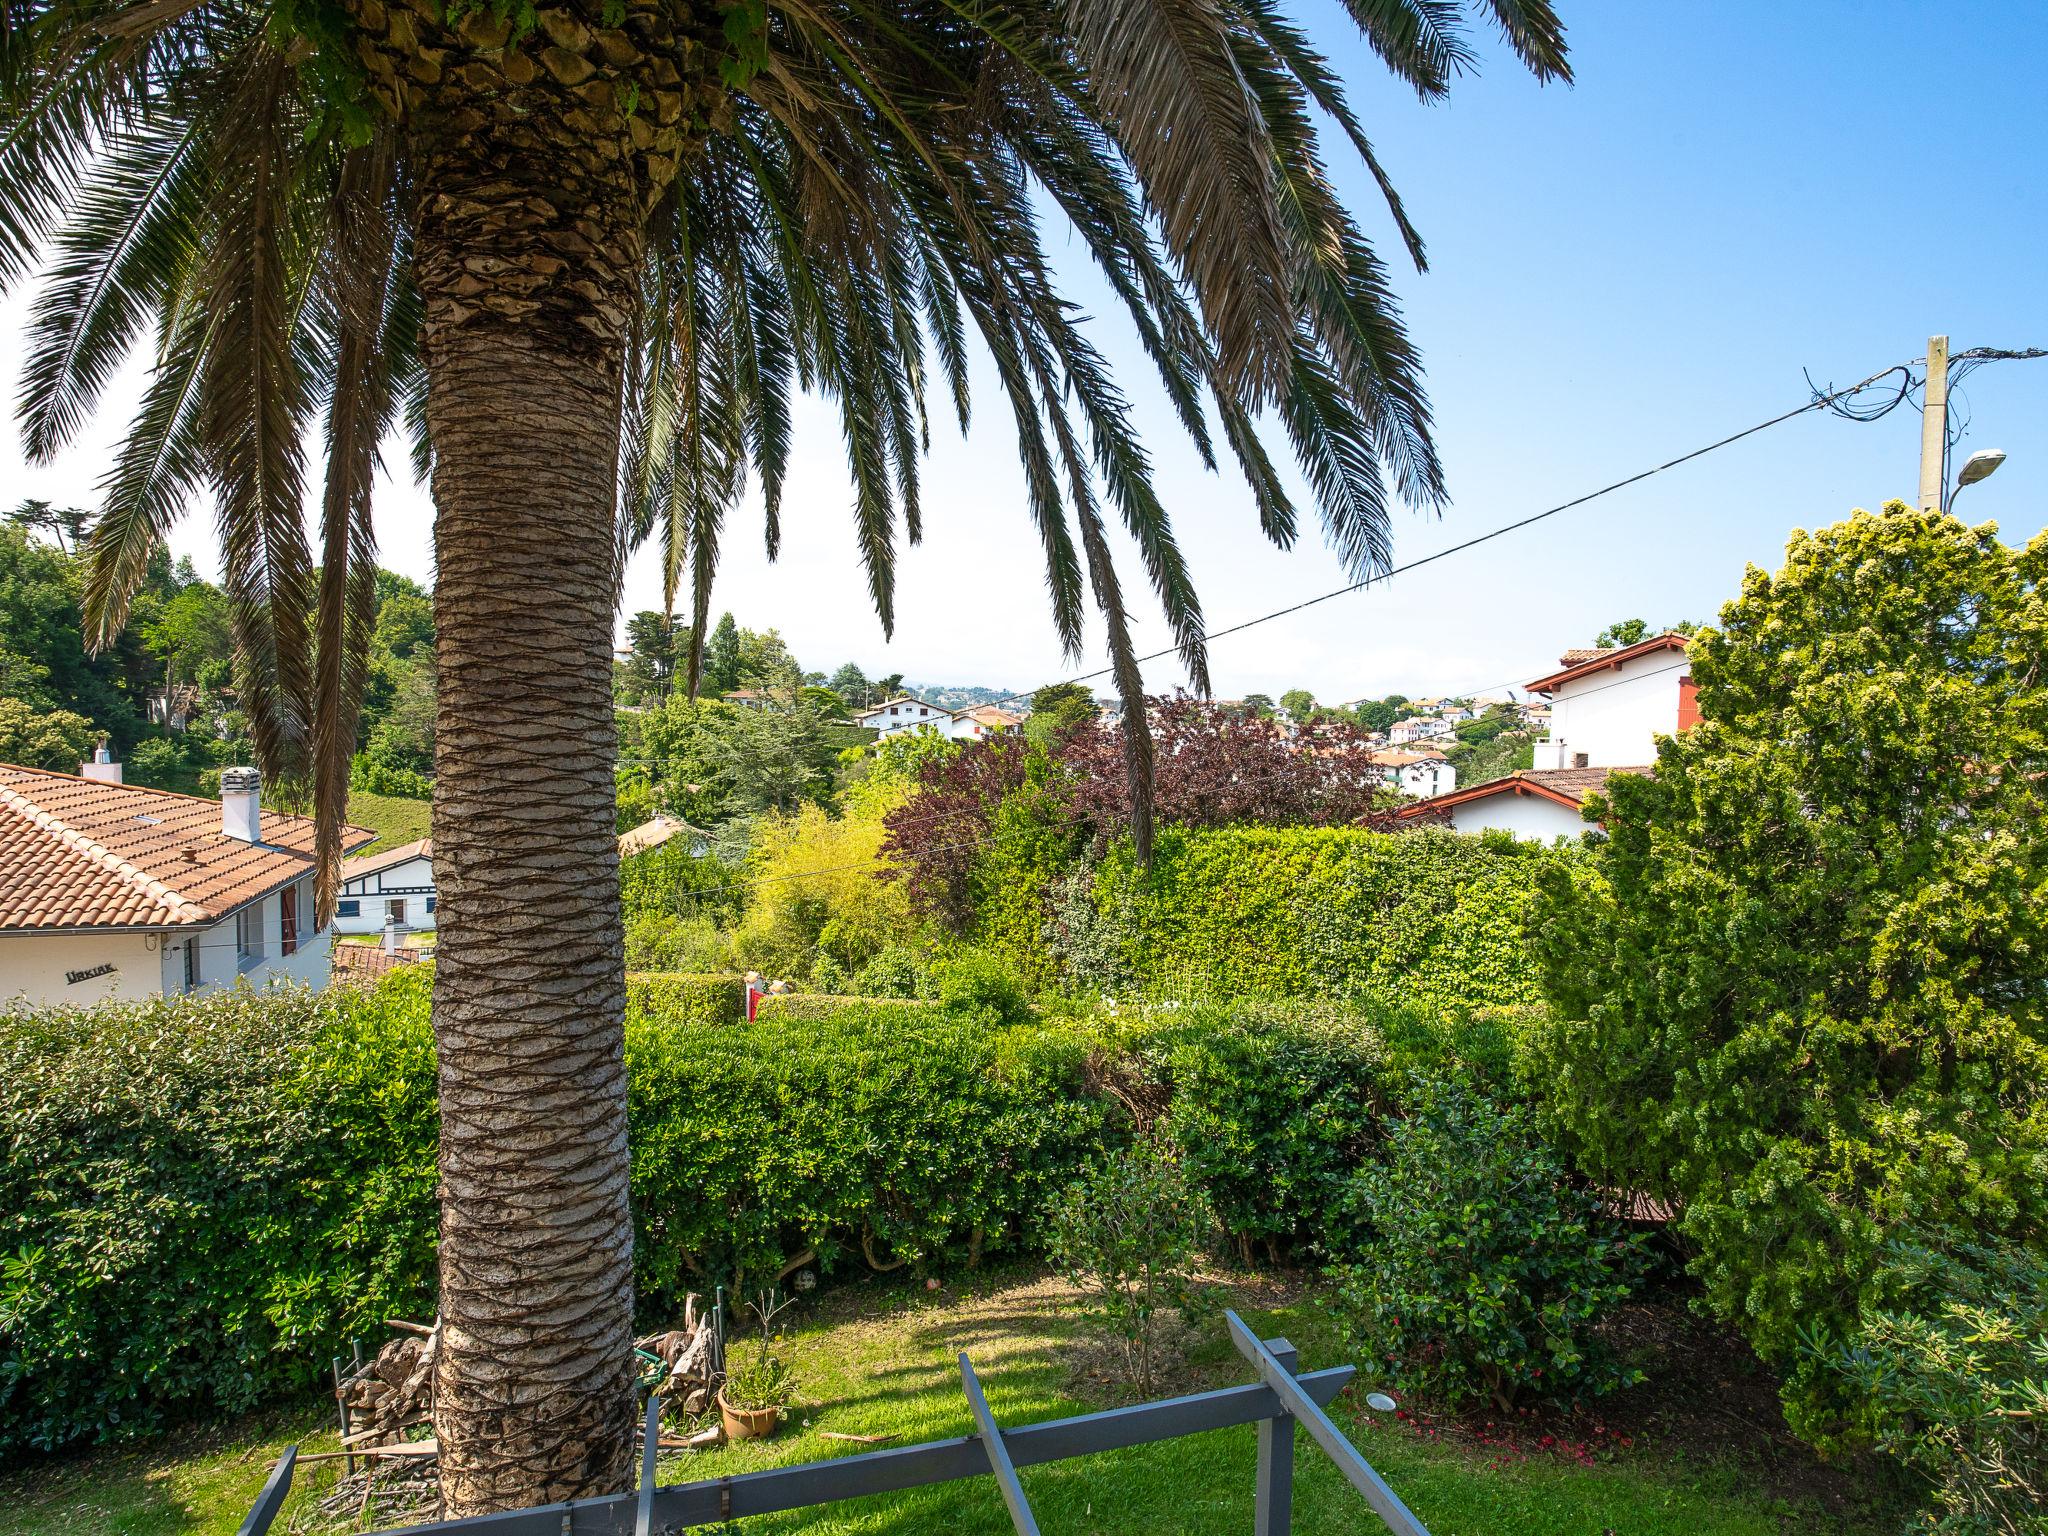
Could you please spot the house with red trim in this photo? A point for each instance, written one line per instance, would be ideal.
(1607, 709)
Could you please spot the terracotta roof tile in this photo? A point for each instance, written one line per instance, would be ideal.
(78, 853)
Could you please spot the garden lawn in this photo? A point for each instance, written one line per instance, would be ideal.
(396, 821)
(878, 1358)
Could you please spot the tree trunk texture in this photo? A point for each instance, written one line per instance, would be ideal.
(534, 161)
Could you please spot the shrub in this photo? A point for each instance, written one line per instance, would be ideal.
(1429, 919)
(981, 982)
(668, 997)
(1270, 1110)
(202, 1198)
(898, 970)
(662, 941)
(1952, 1378)
(1803, 991)
(1475, 1261)
(375, 776)
(1128, 1232)
(800, 1007)
(887, 1132)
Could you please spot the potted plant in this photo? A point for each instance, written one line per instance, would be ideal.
(758, 1382)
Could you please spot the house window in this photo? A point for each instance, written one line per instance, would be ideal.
(249, 937)
(430, 906)
(348, 909)
(191, 964)
(288, 920)
(394, 910)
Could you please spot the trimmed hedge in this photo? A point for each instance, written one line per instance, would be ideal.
(675, 997)
(200, 1197)
(205, 1197)
(1428, 919)
(796, 1007)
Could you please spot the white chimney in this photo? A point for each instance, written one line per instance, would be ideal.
(241, 812)
(102, 768)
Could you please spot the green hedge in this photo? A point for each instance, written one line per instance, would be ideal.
(674, 997)
(199, 1198)
(1427, 919)
(205, 1197)
(792, 1007)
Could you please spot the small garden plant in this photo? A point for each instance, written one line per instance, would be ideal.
(756, 1377)
(1129, 1233)
(1474, 1262)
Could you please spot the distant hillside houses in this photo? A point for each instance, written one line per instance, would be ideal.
(905, 713)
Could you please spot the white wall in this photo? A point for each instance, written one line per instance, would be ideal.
(33, 966)
(411, 882)
(1534, 817)
(1614, 716)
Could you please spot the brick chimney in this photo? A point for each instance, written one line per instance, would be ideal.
(241, 811)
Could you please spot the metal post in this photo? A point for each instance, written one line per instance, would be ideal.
(998, 1454)
(643, 1520)
(271, 1499)
(1356, 1469)
(341, 1410)
(1273, 1514)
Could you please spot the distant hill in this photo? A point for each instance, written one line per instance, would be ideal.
(963, 696)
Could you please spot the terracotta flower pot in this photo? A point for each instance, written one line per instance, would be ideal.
(747, 1423)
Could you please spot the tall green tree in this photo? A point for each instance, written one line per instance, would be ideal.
(721, 658)
(1804, 993)
(650, 665)
(1299, 703)
(587, 249)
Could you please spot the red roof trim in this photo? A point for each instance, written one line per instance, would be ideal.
(1513, 784)
(1613, 658)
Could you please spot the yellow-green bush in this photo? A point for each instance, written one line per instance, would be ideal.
(793, 1007)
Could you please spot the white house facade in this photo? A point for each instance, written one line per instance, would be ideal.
(396, 885)
(1422, 728)
(1417, 774)
(115, 891)
(1607, 709)
(893, 717)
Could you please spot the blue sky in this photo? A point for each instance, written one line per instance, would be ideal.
(1621, 271)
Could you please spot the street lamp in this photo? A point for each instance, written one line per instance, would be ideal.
(1981, 465)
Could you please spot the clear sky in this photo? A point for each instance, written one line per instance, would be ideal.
(1620, 272)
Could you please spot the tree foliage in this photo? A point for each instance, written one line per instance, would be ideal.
(1804, 994)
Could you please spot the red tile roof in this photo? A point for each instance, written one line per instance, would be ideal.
(367, 964)
(1600, 661)
(78, 853)
(1567, 786)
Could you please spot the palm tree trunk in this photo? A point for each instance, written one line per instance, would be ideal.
(527, 242)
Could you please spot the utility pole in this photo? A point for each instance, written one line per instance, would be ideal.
(1934, 427)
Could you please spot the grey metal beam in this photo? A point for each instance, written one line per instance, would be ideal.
(998, 1458)
(271, 1499)
(1357, 1471)
(1273, 1499)
(898, 1467)
(650, 1442)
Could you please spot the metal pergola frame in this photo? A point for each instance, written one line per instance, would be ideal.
(1277, 1402)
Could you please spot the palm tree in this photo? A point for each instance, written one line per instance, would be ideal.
(584, 250)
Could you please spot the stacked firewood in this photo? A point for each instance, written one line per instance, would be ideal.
(689, 1355)
(394, 1392)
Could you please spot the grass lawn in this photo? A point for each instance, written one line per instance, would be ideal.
(878, 1358)
(395, 821)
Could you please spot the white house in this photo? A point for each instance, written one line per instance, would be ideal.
(1607, 709)
(109, 890)
(892, 717)
(1420, 774)
(397, 885)
(1420, 728)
